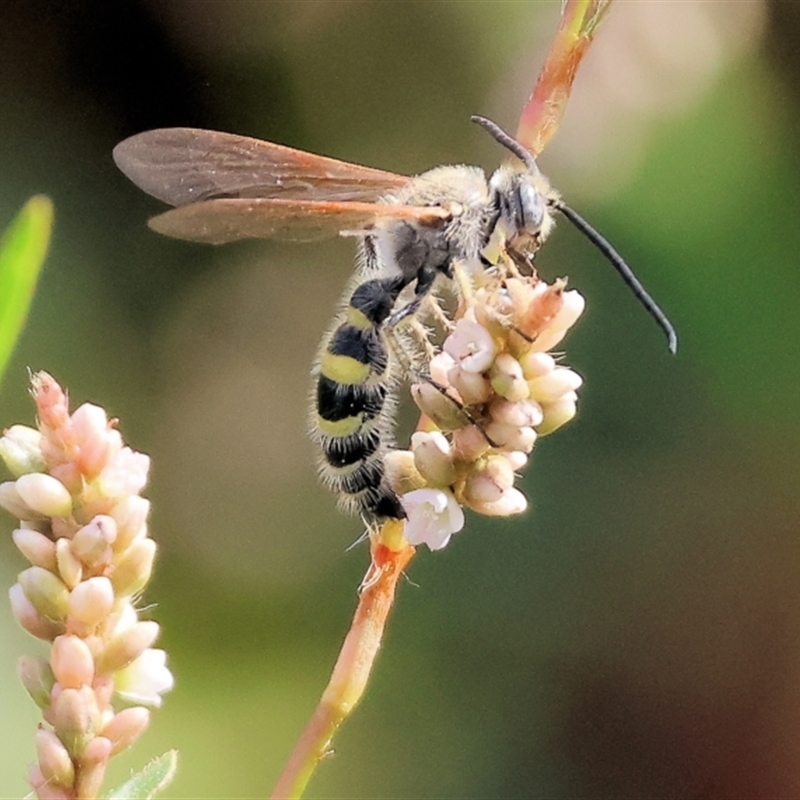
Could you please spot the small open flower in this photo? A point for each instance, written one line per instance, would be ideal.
(471, 346)
(145, 679)
(434, 515)
(83, 530)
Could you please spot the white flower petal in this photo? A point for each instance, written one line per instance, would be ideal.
(434, 515)
(471, 345)
(145, 679)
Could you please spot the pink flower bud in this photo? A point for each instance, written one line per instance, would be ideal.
(72, 662)
(68, 474)
(516, 459)
(479, 489)
(97, 752)
(44, 494)
(130, 514)
(127, 646)
(433, 458)
(104, 690)
(92, 543)
(69, 567)
(51, 401)
(544, 304)
(510, 437)
(524, 413)
(21, 450)
(90, 602)
(125, 728)
(90, 424)
(30, 619)
(75, 717)
(45, 789)
(472, 387)
(82, 523)
(510, 503)
(134, 567)
(94, 760)
(12, 502)
(37, 678)
(442, 411)
(39, 549)
(574, 304)
(550, 387)
(401, 471)
(535, 364)
(469, 443)
(124, 475)
(507, 378)
(555, 331)
(488, 483)
(558, 413)
(54, 760)
(45, 591)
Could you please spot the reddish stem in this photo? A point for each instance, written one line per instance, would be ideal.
(543, 112)
(352, 669)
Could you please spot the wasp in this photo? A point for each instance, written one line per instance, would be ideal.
(412, 232)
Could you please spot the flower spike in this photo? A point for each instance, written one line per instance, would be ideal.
(82, 528)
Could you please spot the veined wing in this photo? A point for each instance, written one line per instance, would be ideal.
(188, 165)
(230, 219)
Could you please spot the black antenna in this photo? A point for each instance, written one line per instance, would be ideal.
(508, 141)
(599, 241)
(625, 272)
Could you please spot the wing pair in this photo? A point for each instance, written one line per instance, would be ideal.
(227, 187)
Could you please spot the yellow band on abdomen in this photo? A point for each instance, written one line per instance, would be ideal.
(341, 427)
(344, 369)
(357, 319)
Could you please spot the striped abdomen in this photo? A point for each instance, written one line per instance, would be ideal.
(354, 402)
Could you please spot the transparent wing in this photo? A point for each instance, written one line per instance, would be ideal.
(231, 219)
(188, 165)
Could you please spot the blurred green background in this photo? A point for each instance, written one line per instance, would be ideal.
(637, 634)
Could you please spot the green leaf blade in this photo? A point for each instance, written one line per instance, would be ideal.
(153, 778)
(23, 247)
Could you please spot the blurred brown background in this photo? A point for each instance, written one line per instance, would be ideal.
(637, 633)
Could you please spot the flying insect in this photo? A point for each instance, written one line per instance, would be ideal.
(411, 231)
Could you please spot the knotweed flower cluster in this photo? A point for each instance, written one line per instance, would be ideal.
(82, 527)
(495, 388)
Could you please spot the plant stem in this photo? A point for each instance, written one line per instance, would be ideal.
(352, 669)
(545, 107)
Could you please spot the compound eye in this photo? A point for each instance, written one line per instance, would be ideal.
(532, 208)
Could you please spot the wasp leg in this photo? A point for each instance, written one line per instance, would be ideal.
(422, 335)
(518, 263)
(438, 314)
(463, 282)
(406, 316)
